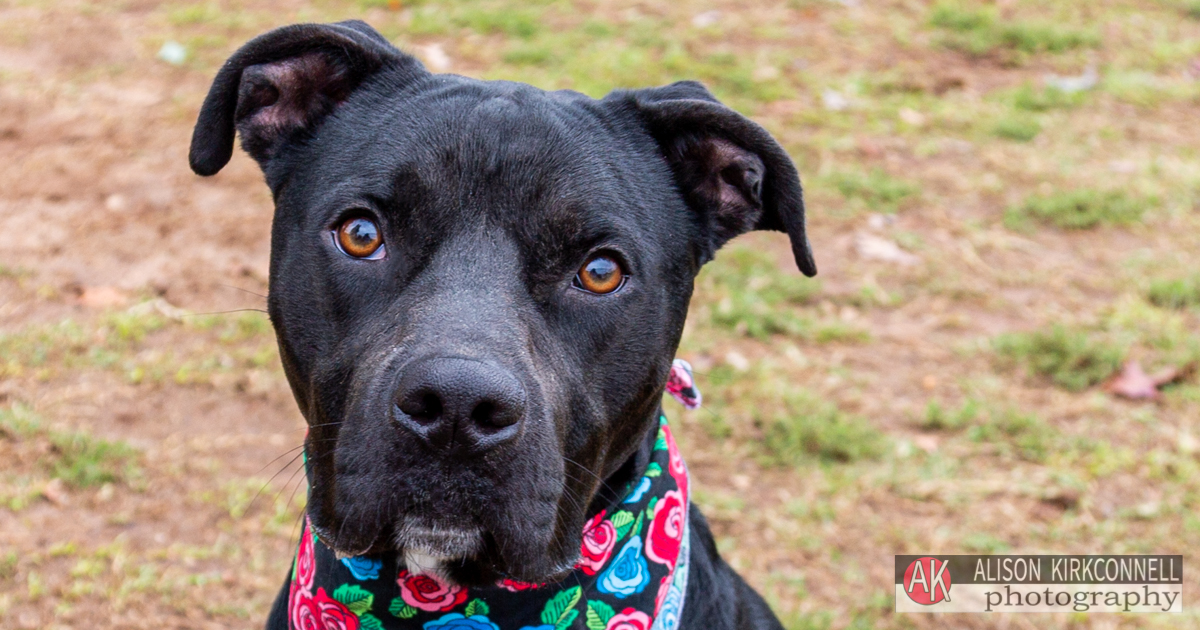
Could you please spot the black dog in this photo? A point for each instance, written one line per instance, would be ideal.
(478, 288)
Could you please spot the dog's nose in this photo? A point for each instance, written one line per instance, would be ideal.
(460, 402)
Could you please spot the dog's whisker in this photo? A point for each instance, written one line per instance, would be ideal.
(292, 478)
(281, 456)
(323, 424)
(284, 488)
(589, 471)
(303, 481)
(236, 310)
(230, 286)
(290, 463)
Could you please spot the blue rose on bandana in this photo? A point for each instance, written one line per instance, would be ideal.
(668, 612)
(363, 568)
(628, 573)
(639, 491)
(455, 621)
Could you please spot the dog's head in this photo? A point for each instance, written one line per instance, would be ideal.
(478, 287)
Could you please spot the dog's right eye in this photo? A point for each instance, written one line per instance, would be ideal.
(359, 237)
(601, 274)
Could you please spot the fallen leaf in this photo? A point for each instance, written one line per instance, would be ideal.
(834, 101)
(737, 361)
(927, 443)
(105, 494)
(912, 116)
(1086, 81)
(435, 56)
(1064, 498)
(876, 248)
(706, 19)
(101, 297)
(55, 492)
(1134, 383)
(173, 53)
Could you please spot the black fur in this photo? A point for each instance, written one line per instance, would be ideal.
(489, 196)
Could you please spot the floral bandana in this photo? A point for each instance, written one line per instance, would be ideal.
(632, 575)
(682, 386)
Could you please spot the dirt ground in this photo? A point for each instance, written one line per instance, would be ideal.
(148, 439)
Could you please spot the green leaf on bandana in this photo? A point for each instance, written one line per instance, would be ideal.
(621, 522)
(561, 604)
(567, 620)
(401, 609)
(637, 526)
(650, 506)
(370, 622)
(355, 597)
(653, 470)
(598, 614)
(660, 443)
(476, 607)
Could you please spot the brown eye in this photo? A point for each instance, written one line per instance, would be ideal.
(600, 274)
(360, 238)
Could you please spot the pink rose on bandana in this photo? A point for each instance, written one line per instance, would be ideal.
(304, 612)
(599, 540)
(514, 586)
(629, 619)
(666, 530)
(332, 614)
(301, 608)
(306, 561)
(675, 464)
(429, 593)
(664, 587)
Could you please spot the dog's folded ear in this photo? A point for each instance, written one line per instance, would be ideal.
(283, 83)
(729, 169)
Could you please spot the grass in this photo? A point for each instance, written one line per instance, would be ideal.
(874, 190)
(1175, 293)
(1069, 358)
(938, 418)
(809, 428)
(1188, 8)
(80, 460)
(1017, 127)
(121, 342)
(521, 23)
(1030, 99)
(1022, 434)
(1078, 209)
(981, 31)
(754, 297)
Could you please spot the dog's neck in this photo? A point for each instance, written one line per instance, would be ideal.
(611, 492)
(681, 385)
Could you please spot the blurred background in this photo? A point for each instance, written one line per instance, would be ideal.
(999, 354)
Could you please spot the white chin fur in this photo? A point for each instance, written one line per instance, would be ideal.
(431, 550)
(421, 562)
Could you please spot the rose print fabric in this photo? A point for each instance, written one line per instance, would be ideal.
(632, 575)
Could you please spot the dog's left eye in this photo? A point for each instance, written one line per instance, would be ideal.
(359, 237)
(600, 274)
